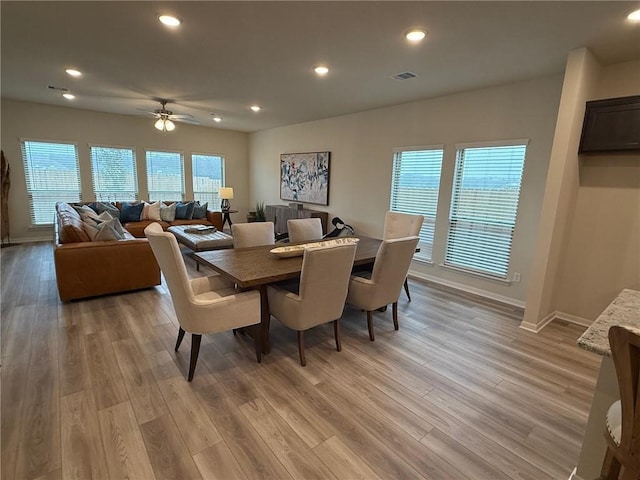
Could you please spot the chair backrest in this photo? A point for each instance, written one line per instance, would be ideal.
(324, 282)
(167, 253)
(304, 229)
(391, 267)
(625, 351)
(253, 234)
(400, 225)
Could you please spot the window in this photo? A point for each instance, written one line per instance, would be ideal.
(208, 177)
(114, 174)
(414, 189)
(52, 175)
(484, 207)
(165, 176)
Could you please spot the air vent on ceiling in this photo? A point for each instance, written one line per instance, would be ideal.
(404, 76)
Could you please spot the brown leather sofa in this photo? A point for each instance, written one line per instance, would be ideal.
(137, 228)
(87, 269)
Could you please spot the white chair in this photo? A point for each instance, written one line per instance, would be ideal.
(253, 234)
(399, 225)
(623, 418)
(389, 272)
(304, 229)
(324, 282)
(205, 304)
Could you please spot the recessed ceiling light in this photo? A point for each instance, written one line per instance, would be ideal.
(217, 118)
(73, 72)
(68, 96)
(256, 108)
(634, 16)
(170, 20)
(321, 70)
(415, 35)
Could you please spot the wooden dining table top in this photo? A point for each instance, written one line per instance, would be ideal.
(255, 266)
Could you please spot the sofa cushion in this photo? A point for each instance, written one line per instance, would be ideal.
(168, 212)
(70, 228)
(200, 211)
(184, 210)
(131, 212)
(151, 211)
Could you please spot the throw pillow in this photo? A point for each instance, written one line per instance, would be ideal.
(102, 230)
(151, 211)
(200, 211)
(168, 212)
(85, 212)
(131, 212)
(184, 210)
(106, 207)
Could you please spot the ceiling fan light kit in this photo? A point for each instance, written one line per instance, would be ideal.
(165, 125)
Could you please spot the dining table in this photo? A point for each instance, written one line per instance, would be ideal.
(257, 267)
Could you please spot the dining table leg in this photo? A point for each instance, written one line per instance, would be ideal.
(265, 319)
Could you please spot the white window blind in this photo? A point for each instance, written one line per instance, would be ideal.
(208, 177)
(114, 174)
(165, 176)
(414, 189)
(52, 175)
(484, 207)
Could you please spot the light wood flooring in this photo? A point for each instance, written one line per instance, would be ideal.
(93, 389)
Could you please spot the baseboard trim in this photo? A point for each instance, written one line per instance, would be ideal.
(556, 315)
(536, 327)
(48, 238)
(567, 317)
(467, 289)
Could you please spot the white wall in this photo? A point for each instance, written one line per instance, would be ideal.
(361, 160)
(83, 127)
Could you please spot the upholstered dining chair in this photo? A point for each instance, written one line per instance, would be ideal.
(324, 281)
(304, 229)
(399, 225)
(385, 285)
(623, 418)
(202, 305)
(253, 234)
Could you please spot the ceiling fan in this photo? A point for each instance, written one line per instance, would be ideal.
(166, 117)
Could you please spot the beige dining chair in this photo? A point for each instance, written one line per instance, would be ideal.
(202, 305)
(623, 418)
(399, 225)
(324, 281)
(304, 229)
(253, 234)
(389, 272)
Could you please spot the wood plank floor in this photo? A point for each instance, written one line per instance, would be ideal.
(93, 389)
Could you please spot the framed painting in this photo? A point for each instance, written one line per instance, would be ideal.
(304, 177)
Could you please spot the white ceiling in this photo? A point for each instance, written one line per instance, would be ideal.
(229, 55)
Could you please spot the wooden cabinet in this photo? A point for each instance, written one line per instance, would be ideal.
(279, 214)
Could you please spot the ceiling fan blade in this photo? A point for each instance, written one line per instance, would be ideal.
(147, 111)
(186, 120)
(180, 117)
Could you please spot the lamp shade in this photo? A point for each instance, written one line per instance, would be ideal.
(226, 193)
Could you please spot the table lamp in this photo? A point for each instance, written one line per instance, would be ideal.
(226, 193)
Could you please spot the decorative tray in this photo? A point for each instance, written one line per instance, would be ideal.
(298, 250)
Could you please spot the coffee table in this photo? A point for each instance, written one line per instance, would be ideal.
(201, 242)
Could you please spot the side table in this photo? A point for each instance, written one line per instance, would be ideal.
(226, 218)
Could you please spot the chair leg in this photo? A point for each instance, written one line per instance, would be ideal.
(395, 315)
(336, 333)
(370, 325)
(257, 337)
(195, 350)
(180, 337)
(406, 287)
(610, 466)
(303, 361)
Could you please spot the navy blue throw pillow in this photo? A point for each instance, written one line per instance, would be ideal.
(184, 210)
(131, 212)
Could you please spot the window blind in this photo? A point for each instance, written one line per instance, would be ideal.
(484, 208)
(52, 175)
(165, 176)
(415, 183)
(208, 177)
(114, 174)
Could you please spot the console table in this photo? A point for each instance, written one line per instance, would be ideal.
(279, 214)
